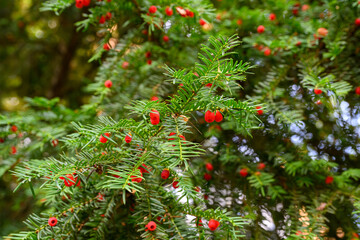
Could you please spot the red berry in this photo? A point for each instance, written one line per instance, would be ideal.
(243, 172)
(197, 189)
(108, 16)
(318, 102)
(218, 116)
(14, 128)
(149, 61)
(154, 117)
(322, 32)
(143, 168)
(2, 140)
(260, 29)
(55, 142)
(102, 20)
(148, 54)
(128, 138)
(70, 180)
(166, 38)
(182, 137)
(103, 139)
(175, 184)
(202, 22)
(357, 91)
(208, 85)
(154, 98)
(152, 9)
(207, 177)
(298, 43)
(272, 16)
(357, 22)
(100, 197)
(136, 179)
(125, 65)
(259, 110)
(305, 7)
(168, 11)
(151, 226)
(267, 51)
(165, 174)
(79, 4)
(108, 83)
(329, 179)
(317, 91)
(52, 221)
(239, 22)
(189, 13)
(13, 150)
(106, 47)
(171, 134)
(295, 11)
(209, 116)
(213, 224)
(86, 3)
(209, 167)
(261, 166)
(257, 173)
(199, 223)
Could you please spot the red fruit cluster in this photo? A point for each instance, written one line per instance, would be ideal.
(108, 83)
(210, 116)
(70, 180)
(259, 110)
(52, 221)
(82, 3)
(213, 224)
(151, 226)
(105, 17)
(165, 174)
(103, 139)
(154, 117)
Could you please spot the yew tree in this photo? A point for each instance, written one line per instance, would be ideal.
(208, 120)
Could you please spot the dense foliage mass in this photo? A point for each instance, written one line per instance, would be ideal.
(208, 120)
